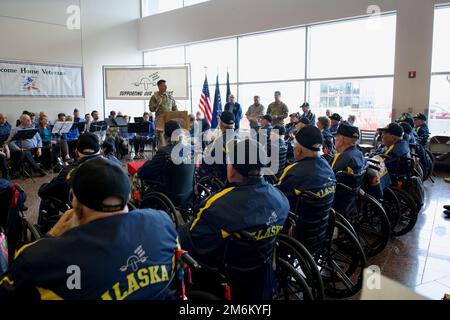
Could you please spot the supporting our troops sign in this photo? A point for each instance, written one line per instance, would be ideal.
(24, 79)
(134, 83)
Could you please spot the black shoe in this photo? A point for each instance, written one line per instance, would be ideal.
(447, 207)
(447, 213)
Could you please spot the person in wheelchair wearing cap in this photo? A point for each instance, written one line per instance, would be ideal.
(310, 172)
(98, 249)
(88, 147)
(248, 203)
(215, 155)
(423, 132)
(335, 121)
(348, 159)
(394, 147)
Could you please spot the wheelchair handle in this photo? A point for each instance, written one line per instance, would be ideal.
(187, 259)
(373, 161)
(346, 187)
(292, 215)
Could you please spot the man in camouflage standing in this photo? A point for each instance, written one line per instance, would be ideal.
(160, 103)
(278, 110)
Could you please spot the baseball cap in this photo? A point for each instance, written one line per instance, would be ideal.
(295, 114)
(227, 117)
(420, 116)
(347, 130)
(408, 118)
(305, 105)
(304, 120)
(393, 128)
(310, 137)
(336, 117)
(248, 155)
(98, 179)
(267, 117)
(170, 127)
(88, 143)
(406, 127)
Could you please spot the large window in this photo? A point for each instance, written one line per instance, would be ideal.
(344, 66)
(150, 7)
(439, 115)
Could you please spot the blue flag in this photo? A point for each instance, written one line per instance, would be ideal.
(228, 87)
(217, 108)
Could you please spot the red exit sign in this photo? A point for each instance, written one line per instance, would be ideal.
(412, 74)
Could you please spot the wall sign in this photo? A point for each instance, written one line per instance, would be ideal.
(134, 83)
(23, 79)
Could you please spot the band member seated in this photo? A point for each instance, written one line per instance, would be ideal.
(144, 138)
(248, 203)
(25, 150)
(115, 254)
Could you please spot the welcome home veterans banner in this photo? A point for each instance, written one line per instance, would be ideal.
(133, 83)
(40, 80)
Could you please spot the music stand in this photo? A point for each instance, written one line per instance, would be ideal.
(59, 129)
(139, 127)
(21, 136)
(120, 122)
(138, 119)
(110, 122)
(98, 128)
(81, 126)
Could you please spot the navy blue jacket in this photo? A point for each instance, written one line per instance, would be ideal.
(128, 256)
(328, 142)
(395, 152)
(237, 111)
(351, 161)
(334, 129)
(311, 117)
(423, 134)
(255, 207)
(309, 174)
(5, 130)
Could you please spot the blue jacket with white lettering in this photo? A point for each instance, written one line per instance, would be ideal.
(126, 256)
(256, 207)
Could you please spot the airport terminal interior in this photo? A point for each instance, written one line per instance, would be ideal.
(233, 150)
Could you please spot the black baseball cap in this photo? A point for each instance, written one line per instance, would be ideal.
(98, 179)
(88, 144)
(227, 117)
(336, 117)
(170, 127)
(248, 155)
(420, 116)
(304, 120)
(305, 105)
(406, 127)
(408, 118)
(267, 117)
(393, 128)
(347, 130)
(310, 137)
(295, 114)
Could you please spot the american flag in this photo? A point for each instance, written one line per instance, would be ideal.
(205, 101)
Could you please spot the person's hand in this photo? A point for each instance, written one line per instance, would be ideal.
(39, 152)
(2, 154)
(68, 221)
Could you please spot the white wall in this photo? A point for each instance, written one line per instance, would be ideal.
(36, 31)
(223, 18)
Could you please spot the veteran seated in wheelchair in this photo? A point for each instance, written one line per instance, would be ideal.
(55, 194)
(247, 204)
(121, 254)
(172, 170)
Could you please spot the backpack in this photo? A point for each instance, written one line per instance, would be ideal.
(10, 219)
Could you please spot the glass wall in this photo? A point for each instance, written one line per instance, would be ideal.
(150, 7)
(344, 66)
(439, 110)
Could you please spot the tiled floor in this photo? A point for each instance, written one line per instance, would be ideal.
(420, 260)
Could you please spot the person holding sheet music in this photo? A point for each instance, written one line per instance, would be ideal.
(124, 138)
(96, 126)
(88, 120)
(72, 137)
(24, 150)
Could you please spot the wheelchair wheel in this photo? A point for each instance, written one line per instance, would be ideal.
(345, 222)
(391, 206)
(428, 173)
(196, 295)
(372, 225)
(159, 201)
(415, 188)
(342, 263)
(292, 251)
(213, 184)
(290, 284)
(408, 212)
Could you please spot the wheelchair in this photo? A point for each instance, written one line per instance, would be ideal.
(236, 276)
(336, 250)
(364, 212)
